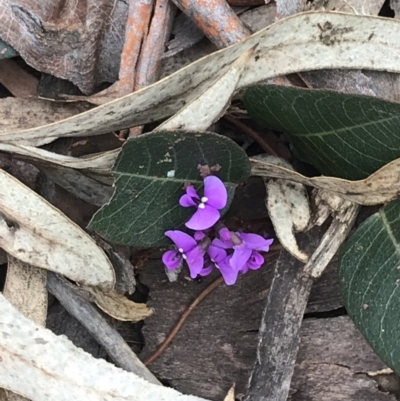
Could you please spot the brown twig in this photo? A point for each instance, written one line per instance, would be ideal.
(137, 25)
(216, 19)
(149, 63)
(251, 133)
(182, 320)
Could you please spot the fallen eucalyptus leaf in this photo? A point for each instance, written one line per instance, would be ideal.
(369, 269)
(150, 175)
(201, 112)
(78, 184)
(21, 114)
(52, 368)
(291, 45)
(100, 162)
(288, 208)
(231, 394)
(120, 307)
(380, 187)
(332, 239)
(25, 288)
(37, 233)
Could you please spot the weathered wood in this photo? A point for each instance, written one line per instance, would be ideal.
(278, 337)
(217, 344)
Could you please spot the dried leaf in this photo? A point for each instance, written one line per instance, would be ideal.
(288, 208)
(52, 368)
(231, 394)
(201, 112)
(78, 184)
(21, 114)
(25, 288)
(380, 187)
(120, 307)
(37, 233)
(364, 42)
(98, 163)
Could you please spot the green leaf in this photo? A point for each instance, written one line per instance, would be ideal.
(370, 281)
(343, 135)
(150, 175)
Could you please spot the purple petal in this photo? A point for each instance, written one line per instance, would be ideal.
(187, 199)
(181, 239)
(241, 255)
(199, 235)
(216, 254)
(225, 234)
(172, 259)
(256, 242)
(206, 270)
(222, 244)
(195, 261)
(215, 191)
(256, 260)
(203, 218)
(229, 274)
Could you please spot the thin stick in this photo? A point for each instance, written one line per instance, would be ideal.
(216, 19)
(182, 320)
(252, 134)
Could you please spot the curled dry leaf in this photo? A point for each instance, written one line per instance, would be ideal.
(25, 288)
(78, 184)
(120, 307)
(201, 112)
(54, 369)
(367, 42)
(380, 187)
(231, 394)
(37, 233)
(288, 208)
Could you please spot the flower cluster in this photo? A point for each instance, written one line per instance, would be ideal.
(231, 252)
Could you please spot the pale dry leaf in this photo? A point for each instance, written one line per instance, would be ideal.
(100, 162)
(380, 187)
(362, 7)
(120, 307)
(231, 394)
(21, 114)
(52, 368)
(291, 45)
(34, 231)
(288, 207)
(25, 288)
(201, 112)
(78, 184)
(332, 239)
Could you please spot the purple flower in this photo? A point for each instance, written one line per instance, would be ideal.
(221, 260)
(245, 247)
(215, 198)
(188, 250)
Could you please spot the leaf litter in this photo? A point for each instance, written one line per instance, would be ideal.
(192, 96)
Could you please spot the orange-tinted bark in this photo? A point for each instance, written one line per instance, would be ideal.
(216, 19)
(148, 67)
(137, 26)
